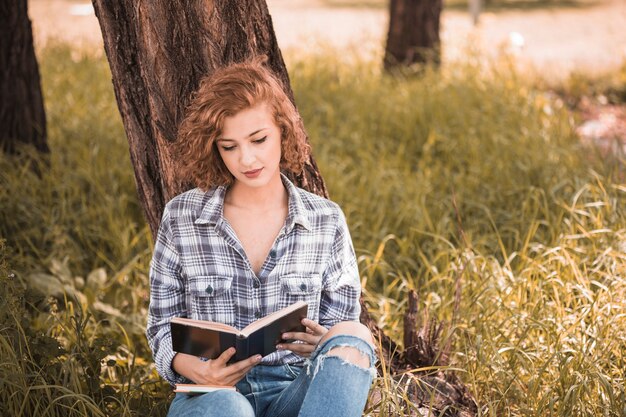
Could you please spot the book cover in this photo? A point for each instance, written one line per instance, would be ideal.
(209, 339)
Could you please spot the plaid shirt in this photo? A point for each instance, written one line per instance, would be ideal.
(200, 270)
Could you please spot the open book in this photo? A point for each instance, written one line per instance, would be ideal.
(209, 339)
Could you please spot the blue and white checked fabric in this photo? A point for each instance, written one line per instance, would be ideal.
(199, 269)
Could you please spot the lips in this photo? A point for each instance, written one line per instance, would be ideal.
(253, 173)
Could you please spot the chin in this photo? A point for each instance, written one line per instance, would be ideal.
(253, 182)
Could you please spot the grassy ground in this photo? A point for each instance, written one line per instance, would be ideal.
(471, 175)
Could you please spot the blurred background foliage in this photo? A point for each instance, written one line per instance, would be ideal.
(471, 174)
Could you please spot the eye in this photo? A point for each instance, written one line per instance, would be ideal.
(228, 148)
(261, 140)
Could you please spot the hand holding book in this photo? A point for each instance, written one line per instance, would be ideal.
(216, 372)
(233, 353)
(311, 337)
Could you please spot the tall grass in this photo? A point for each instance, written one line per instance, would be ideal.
(84, 208)
(76, 236)
(473, 173)
(470, 175)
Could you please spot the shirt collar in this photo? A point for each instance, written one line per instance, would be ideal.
(296, 212)
(213, 210)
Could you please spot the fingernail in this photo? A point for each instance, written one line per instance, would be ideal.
(279, 347)
(257, 358)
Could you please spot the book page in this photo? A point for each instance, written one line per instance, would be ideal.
(212, 325)
(199, 388)
(252, 327)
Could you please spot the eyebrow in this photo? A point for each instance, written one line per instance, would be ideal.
(250, 135)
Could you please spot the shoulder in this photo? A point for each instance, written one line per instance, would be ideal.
(189, 203)
(317, 207)
(308, 204)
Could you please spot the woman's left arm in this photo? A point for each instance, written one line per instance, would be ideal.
(341, 289)
(341, 283)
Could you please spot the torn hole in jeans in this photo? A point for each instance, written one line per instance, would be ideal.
(322, 357)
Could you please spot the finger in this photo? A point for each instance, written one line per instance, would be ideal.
(223, 359)
(315, 327)
(236, 371)
(302, 349)
(304, 337)
(233, 379)
(244, 365)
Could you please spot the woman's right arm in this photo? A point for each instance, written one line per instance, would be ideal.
(167, 300)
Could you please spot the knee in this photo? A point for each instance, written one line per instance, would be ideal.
(232, 403)
(350, 328)
(222, 403)
(351, 354)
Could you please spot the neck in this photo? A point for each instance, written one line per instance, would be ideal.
(258, 198)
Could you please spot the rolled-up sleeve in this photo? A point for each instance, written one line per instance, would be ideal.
(167, 299)
(341, 282)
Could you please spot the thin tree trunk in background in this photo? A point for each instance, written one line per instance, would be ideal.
(474, 7)
(413, 36)
(158, 52)
(22, 115)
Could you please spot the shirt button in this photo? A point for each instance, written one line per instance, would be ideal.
(272, 253)
(209, 290)
(256, 284)
(257, 314)
(303, 286)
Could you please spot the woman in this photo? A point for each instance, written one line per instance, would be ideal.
(246, 243)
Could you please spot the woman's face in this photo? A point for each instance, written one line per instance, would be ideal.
(250, 146)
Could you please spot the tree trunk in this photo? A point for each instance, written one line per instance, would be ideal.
(413, 36)
(22, 116)
(158, 52)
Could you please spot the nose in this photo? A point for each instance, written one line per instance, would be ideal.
(247, 157)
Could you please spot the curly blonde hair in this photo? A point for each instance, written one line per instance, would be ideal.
(222, 94)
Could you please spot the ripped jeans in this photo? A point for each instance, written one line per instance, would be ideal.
(326, 386)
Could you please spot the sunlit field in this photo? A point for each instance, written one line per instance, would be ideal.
(470, 176)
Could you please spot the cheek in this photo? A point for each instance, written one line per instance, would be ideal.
(227, 158)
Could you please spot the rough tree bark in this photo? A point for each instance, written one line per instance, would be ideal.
(158, 51)
(413, 36)
(22, 116)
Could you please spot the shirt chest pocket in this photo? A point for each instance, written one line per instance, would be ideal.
(210, 298)
(301, 287)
